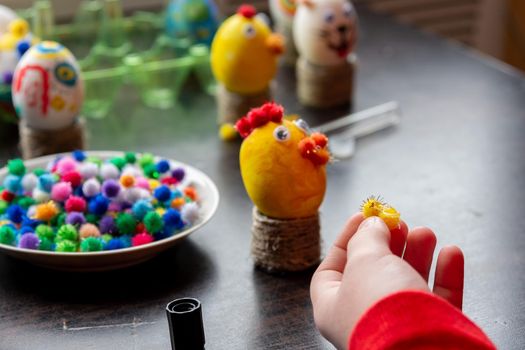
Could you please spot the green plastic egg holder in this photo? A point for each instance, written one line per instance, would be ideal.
(116, 51)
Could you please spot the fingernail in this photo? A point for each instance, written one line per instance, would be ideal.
(370, 222)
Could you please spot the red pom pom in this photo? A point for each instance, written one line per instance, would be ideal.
(75, 203)
(320, 139)
(140, 228)
(73, 177)
(274, 111)
(257, 117)
(247, 11)
(7, 196)
(243, 127)
(140, 239)
(306, 146)
(169, 181)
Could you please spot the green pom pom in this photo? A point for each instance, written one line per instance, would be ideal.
(26, 202)
(106, 237)
(39, 171)
(153, 222)
(150, 171)
(3, 206)
(131, 158)
(16, 167)
(126, 224)
(59, 220)
(66, 246)
(67, 233)
(146, 159)
(92, 218)
(7, 235)
(91, 244)
(118, 162)
(45, 244)
(45, 232)
(95, 160)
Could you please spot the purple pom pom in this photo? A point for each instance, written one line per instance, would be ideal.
(29, 241)
(107, 225)
(178, 174)
(75, 218)
(110, 188)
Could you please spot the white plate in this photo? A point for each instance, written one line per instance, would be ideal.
(115, 259)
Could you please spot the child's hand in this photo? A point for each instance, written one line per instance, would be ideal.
(367, 263)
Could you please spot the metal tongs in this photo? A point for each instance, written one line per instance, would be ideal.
(345, 131)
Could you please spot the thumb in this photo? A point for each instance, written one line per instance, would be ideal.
(372, 238)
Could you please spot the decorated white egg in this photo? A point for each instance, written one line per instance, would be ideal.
(325, 31)
(6, 16)
(283, 10)
(47, 88)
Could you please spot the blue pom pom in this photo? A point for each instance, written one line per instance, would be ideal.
(22, 47)
(141, 208)
(163, 166)
(46, 182)
(98, 205)
(13, 183)
(126, 241)
(26, 229)
(162, 193)
(114, 243)
(30, 222)
(15, 213)
(172, 219)
(162, 234)
(79, 155)
(176, 194)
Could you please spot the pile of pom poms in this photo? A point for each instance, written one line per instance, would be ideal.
(81, 203)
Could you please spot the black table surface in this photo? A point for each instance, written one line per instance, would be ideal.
(455, 163)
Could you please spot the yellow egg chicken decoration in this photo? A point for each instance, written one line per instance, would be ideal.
(244, 52)
(282, 163)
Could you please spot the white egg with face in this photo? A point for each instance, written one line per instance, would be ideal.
(283, 10)
(325, 31)
(47, 88)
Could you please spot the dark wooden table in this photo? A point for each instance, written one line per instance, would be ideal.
(456, 164)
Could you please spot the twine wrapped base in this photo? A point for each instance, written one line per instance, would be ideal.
(232, 106)
(324, 86)
(36, 143)
(285, 245)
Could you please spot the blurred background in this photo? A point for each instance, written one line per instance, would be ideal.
(494, 27)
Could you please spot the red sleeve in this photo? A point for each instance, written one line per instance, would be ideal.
(412, 320)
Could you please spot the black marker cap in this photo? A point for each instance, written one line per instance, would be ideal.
(185, 322)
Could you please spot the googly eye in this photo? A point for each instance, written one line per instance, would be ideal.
(281, 134)
(249, 31)
(301, 124)
(348, 10)
(329, 16)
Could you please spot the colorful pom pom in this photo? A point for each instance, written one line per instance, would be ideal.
(110, 188)
(162, 193)
(153, 222)
(141, 208)
(26, 202)
(91, 244)
(88, 230)
(67, 232)
(107, 225)
(46, 182)
(130, 158)
(3, 206)
(61, 191)
(247, 11)
(29, 241)
(79, 155)
(115, 243)
(66, 246)
(88, 170)
(15, 213)
(142, 183)
(7, 196)
(46, 244)
(66, 165)
(173, 220)
(73, 177)
(16, 167)
(91, 188)
(191, 193)
(126, 223)
(163, 166)
(75, 218)
(12, 183)
(109, 171)
(146, 159)
(190, 213)
(7, 235)
(45, 232)
(227, 132)
(29, 182)
(98, 205)
(75, 203)
(40, 196)
(46, 211)
(127, 180)
(141, 239)
(177, 203)
(118, 162)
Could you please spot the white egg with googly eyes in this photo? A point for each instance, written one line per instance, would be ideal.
(47, 88)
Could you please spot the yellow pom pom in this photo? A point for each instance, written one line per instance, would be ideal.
(372, 206)
(160, 211)
(390, 216)
(127, 180)
(227, 132)
(46, 211)
(153, 184)
(19, 27)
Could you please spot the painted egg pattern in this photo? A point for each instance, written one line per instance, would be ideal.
(194, 19)
(283, 10)
(47, 89)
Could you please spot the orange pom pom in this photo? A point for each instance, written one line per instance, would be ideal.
(177, 203)
(88, 230)
(46, 211)
(191, 193)
(127, 180)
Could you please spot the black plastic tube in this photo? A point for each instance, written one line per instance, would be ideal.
(185, 322)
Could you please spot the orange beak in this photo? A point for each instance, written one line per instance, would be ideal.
(314, 149)
(275, 43)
